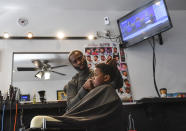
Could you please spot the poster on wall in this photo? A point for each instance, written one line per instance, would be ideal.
(99, 53)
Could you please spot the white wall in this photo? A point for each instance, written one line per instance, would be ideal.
(170, 61)
(170, 57)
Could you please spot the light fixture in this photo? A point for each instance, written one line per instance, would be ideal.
(6, 35)
(60, 35)
(39, 74)
(36, 63)
(47, 75)
(90, 37)
(29, 35)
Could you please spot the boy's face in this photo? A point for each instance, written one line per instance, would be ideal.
(102, 50)
(109, 57)
(127, 90)
(115, 50)
(124, 66)
(117, 58)
(121, 89)
(88, 51)
(89, 65)
(98, 78)
(126, 82)
(125, 73)
(95, 58)
(103, 58)
(88, 58)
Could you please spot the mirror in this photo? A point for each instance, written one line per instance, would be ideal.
(48, 71)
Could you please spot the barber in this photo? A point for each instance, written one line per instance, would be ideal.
(76, 88)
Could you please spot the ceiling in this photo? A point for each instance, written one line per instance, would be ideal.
(98, 5)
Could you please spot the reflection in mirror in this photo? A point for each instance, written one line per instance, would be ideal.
(32, 72)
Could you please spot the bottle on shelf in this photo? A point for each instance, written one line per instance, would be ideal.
(34, 99)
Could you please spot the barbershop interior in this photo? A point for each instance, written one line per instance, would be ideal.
(46, 47)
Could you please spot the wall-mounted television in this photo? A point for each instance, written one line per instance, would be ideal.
(146, 21)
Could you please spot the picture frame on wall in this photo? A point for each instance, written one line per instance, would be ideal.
(61, 95)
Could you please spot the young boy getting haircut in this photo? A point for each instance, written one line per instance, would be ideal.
(100, 109)
(103, 74)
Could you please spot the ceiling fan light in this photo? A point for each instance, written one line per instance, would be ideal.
(39, 74)
(47, 75)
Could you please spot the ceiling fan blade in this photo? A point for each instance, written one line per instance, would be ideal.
(26, 69)
(58, 73)
(58, 66)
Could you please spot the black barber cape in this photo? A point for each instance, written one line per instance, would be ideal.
(100, 110)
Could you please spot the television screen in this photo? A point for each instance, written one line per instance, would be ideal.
(144, 22)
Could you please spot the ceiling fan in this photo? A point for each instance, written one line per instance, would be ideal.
(43, 67)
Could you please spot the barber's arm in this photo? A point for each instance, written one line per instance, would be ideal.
(73, 95)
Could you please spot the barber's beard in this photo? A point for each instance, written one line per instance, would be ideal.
(85, 66)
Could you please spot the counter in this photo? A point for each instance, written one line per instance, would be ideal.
(149, 114)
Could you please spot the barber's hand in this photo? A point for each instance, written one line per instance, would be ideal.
(88, 85)
(111, 62)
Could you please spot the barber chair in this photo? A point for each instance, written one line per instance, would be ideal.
(56, 126)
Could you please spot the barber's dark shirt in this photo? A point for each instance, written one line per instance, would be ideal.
(74, 88)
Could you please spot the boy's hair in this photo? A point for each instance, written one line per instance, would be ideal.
(107, 69)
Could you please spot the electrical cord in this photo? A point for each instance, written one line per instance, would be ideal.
(10, 115)
(2, 119)
(11, 100)
(116, 39)
(111, 37)
(154, 65)
(15, 117)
